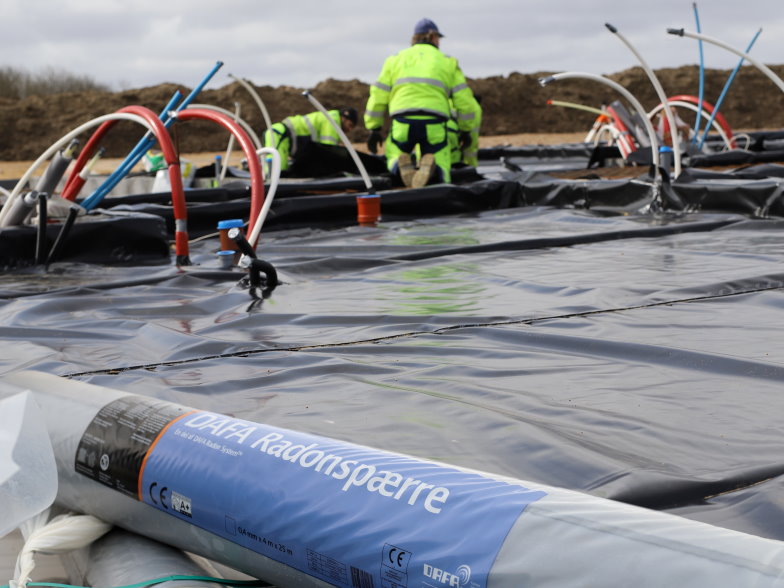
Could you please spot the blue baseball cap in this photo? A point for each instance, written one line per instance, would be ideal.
(425, 26)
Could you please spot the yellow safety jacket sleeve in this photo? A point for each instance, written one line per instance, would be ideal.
(469, 112)
(378, 99)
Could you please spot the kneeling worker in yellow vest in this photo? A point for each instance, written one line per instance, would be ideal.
(291, 134)
(418, 87)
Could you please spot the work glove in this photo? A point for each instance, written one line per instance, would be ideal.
(374, 140)
(464, 140)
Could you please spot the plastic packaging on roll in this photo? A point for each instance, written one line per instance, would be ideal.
(302, 510)
(123, 558)
(62, 534)
(28, 474)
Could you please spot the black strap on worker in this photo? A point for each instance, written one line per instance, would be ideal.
(418, 132)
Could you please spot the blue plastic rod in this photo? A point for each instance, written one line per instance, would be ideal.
(724, 91)
(702, 79)
(127, 164)
(146, 143)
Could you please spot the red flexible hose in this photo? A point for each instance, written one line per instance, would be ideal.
(248, 148)
(709, 108)
(181, 248)
(75, 182)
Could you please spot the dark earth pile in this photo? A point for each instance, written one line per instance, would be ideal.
(512, 104)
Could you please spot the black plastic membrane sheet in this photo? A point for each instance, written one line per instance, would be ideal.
(633, 357)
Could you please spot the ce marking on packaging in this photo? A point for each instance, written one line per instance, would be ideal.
(162, 495)
(396, 558)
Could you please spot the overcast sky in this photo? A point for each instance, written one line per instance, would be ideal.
(136, 43)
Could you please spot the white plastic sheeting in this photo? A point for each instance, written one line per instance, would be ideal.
(28, 476)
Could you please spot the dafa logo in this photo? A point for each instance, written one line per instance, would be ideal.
(462, 577)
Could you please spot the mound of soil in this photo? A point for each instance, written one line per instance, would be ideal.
(511, 104)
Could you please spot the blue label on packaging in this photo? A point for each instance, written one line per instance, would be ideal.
(352, 516)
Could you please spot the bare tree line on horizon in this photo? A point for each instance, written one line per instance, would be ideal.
(16, 83)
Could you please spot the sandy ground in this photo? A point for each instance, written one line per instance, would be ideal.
(10, 170)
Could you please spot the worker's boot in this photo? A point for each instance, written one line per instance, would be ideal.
(425, 171)
(406, 168)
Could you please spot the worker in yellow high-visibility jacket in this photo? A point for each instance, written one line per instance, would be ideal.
(290, 135)
(418, 87)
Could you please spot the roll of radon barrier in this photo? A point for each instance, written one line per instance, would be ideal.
(302, 510)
